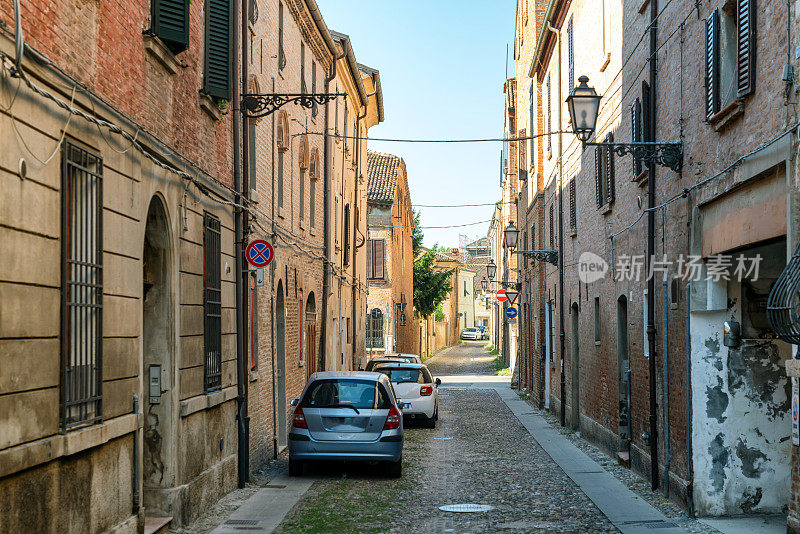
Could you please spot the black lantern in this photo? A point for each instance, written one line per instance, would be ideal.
(484, 284)
(511, 235)
(584, 105)
(491, 270)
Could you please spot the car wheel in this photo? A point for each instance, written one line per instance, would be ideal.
(395, 469)
(430, 422)
(295, 468)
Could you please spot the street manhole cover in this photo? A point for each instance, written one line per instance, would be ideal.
(469, 507)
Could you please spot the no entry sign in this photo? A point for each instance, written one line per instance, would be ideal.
(259, 253)
(501, 295)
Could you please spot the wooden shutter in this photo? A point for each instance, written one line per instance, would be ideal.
(171, 23)
(218, 58)
(570, 45)
(598, 175)
(712, 64)
(609, 170)
(745, 46)
(523, 157)
(370, 258)
(379, 255)
(636, 134)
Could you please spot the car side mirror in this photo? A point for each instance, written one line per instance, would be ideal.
(295, 402)
(438, 382)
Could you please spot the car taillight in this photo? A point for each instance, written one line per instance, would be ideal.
(393, 419)
(425, 390)
(299, 418)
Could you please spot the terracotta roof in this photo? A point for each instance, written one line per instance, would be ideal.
(381, 176)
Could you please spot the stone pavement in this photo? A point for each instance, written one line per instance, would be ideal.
(491, 448)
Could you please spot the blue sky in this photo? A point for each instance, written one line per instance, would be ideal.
(442, 65)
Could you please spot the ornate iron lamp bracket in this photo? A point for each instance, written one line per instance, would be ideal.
(550, 256)
(665, 154)
(260, 105)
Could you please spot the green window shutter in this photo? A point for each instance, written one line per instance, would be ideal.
(171, 23)
(217, 73)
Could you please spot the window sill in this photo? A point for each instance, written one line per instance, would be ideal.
(210, 106)
(27, 455)
(572, 232)
(549, 154)
(605, 209)
(156, 48)
(596, 343)
(205, 401)
(253, 375)
(726, 116)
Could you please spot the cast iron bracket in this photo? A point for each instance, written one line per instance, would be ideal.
(260, 105)
(668, 155)
(550, 256)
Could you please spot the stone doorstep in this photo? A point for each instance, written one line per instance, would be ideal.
(154, 525)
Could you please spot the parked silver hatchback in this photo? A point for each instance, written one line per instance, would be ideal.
(347, 415)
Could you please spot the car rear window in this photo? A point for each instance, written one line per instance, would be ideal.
(330, 393)
(397, 375)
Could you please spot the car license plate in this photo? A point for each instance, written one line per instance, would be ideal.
(404, 405)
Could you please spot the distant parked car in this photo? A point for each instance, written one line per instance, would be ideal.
(382, 359)
(417, 391)
(347, 415)
(484, 331)
(410, 358)
(471, 333)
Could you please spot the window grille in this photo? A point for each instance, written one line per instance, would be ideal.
(81, 286)
(375, 328)
(212, 303)
(573, 216)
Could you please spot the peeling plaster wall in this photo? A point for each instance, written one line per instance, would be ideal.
(740, 410)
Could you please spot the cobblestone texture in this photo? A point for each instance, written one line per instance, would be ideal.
(478, 453)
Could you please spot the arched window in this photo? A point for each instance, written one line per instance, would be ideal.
(313, 176)
(303, 156)
(282, 144)
(375, 329)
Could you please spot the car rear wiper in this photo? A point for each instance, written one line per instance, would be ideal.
(341, 406)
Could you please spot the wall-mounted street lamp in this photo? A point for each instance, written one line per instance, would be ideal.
(512, 238)
(491, 270)
(584, 105)
(484, 284)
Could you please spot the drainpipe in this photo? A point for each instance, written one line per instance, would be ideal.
(665, 339)
(136, 455)
(651, 231)
(325, 219)
(561, 333)
(689, 473)
(241, 335)
(272, 302)
(354, 313)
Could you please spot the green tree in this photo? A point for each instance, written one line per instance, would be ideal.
(439, 313)
(416, 235)
(431, 286)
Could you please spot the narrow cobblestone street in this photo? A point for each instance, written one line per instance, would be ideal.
(478, 453)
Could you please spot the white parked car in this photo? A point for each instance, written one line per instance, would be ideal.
(417, 392)
(472, 333)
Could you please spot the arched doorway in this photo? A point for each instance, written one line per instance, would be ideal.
(312, 354)
(623, 377)
(158, 467)
(280, 363)
(575, 368)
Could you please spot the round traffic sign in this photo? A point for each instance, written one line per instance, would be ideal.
(259, 253)
(501, 295)
(511, 312)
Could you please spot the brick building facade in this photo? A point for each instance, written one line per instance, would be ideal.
(390, 263)
(711, 421)
(117, 330)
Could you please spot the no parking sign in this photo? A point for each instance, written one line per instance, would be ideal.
(259, 253)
